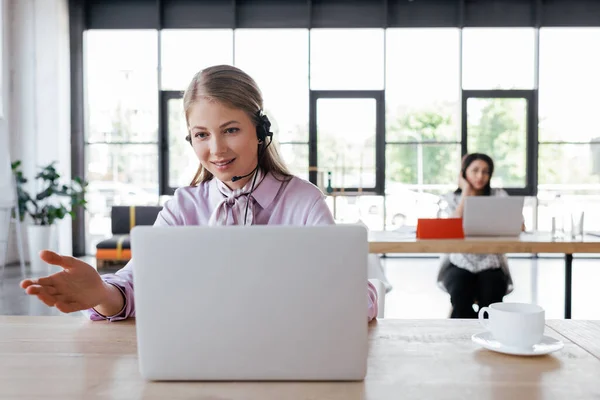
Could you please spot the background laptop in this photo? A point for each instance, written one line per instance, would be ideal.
(251, 303)
(493, 216)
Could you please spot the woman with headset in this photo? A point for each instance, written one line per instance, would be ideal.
(241, 179)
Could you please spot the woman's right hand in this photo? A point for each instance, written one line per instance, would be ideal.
(465, 186)
(77, 287)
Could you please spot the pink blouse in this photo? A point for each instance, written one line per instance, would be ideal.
(292, 202)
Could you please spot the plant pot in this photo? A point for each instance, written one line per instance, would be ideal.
(13, 251)
(40, 238)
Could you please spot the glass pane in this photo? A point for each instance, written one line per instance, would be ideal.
(498, 128)
(118, 175)
(282, 76)
(344, 208)
(352, 209)
(423, 164)
(498, 58)
(295, 157)
(569, 84)
(344, 59)
(346, 147)
(416, 177)
(405, 204)
(555, 202)
(185, 52)
(572, 166)
(121, 86)
(422, 96)
(183, 162)
(369, 207)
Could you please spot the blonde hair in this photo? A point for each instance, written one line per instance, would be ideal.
(234, 88)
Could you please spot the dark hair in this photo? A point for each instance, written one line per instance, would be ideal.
(467, 160)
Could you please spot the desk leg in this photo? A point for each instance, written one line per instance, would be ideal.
(568, 284)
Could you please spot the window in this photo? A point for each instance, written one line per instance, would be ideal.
(569, 84)
(347, 146)
(346, 59)
(278, 60)
(352, 209)
(422, 79)
(572, 165)
(498, 128)
(498, 58)
(121, 85)
(183, 162)
(347, 156)
(185, 52)
(121, 124)
(423, 122)
(569, 140)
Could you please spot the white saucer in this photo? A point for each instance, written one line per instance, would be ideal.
(546, 346)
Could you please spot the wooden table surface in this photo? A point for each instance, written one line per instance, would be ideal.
(72, 358)
(584, 333)
(397, 242)
(401, 242)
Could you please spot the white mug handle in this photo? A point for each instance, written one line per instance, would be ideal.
(482, 321)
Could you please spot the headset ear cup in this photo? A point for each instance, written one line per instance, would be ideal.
(260, 133)
(263, 128)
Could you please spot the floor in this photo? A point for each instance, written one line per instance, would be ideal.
(415, 293)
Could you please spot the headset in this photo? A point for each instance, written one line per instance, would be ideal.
(263, 131)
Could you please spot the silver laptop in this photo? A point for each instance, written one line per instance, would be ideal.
(251, 303)
(493, 216)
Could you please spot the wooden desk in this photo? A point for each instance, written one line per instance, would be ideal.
(72, 358)
(585, 333)
(395, 242)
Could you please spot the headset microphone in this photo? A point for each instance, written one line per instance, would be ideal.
(237, 178)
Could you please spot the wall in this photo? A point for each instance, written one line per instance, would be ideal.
(6, 188)
(39, 116)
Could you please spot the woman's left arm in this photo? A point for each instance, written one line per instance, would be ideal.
(320, 214)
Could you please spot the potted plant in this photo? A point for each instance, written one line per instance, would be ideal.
(21, 193)
(46, 206)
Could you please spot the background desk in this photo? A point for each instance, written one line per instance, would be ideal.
(395, 242)
(73, 358)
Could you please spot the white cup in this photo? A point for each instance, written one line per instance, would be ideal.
(514, 324)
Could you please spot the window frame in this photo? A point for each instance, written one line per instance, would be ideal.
(379, 96)
(164, 185)
(531, 140)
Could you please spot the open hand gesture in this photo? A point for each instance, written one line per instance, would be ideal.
(77, 287)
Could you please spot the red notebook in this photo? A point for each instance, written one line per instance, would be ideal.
(440, 228)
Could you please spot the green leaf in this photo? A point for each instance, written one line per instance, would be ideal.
(45, 207)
